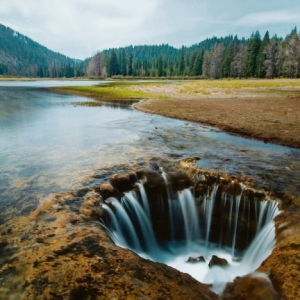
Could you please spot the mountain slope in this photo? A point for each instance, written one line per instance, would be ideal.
(19, 55)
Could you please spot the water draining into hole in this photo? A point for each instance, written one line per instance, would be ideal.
(188, 232)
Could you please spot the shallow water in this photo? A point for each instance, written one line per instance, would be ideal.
(49, 144)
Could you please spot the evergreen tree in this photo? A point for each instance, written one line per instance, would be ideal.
(113, 68)
(227, 60)
(123, 63)
(130, 64)
(192, 63)
(160, 70)
(181, 62)
(253, 46)
(197, 67)
(40, 72)
(261, 70)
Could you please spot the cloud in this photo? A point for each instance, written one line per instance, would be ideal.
(268, 18)
(80, 28)
(77, 27)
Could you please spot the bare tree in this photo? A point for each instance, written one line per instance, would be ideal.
(216, 61)
(206, 64)
(238, 64)
(273, 62)
(96, 65)
(292, 55)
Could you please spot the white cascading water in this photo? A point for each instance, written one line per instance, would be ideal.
(130, 226)
(190, 217)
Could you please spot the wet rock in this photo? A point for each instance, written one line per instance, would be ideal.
(217, 261)
(39, 240)
(179, 181)
(255, 286)
(91, 207)
(82, 192)
(152, 178)
(190, 160)
(107, 190)
(122, 183)
(234, 188)
(196, 259)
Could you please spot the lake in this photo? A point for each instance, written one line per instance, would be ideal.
(49, 144)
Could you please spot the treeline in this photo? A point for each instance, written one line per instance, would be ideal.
(149, 61)
(228, 57)
(21, 56)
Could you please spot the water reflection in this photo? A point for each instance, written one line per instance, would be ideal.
(47, 145)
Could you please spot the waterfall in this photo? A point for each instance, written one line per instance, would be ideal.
(119, 222)
(172, 228)
(260, 248)
(190, 216)
(143, 221)
(144, 199)
(208, 210)
(237, 205)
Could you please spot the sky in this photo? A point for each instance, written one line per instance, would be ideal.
(81, 28)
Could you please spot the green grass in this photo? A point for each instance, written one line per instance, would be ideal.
(113, 91)
(129, 91)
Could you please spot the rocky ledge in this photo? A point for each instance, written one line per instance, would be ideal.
(61, 252)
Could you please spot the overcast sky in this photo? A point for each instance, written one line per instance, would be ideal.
(80, 28)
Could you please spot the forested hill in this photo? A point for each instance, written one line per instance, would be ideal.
(152, 52)
(19, 55)
(227, 57)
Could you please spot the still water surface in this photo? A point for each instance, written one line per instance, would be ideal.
(49, 144)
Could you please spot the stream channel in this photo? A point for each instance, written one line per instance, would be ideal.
(49, 143)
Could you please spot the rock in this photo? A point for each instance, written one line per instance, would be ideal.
(107, 190)
(217, 261)
(234, 188)
(255, 286)
(82, 192)
(122, 183)
(179, 181)
(39, 240)
(91, 208)
(196, 259)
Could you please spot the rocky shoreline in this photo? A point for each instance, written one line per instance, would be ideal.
(61, 252)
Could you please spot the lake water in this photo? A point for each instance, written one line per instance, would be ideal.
(49, 144)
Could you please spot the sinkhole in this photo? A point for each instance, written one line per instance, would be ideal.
(211, 228)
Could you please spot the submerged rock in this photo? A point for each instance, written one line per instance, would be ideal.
(217, 261)
(196, 259)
